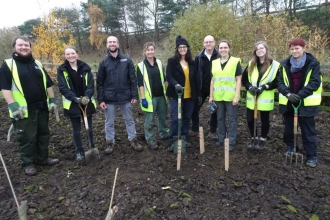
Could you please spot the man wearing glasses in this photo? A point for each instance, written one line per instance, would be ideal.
(204, 62)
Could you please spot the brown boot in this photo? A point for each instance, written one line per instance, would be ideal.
(109, 146)
(135, 144)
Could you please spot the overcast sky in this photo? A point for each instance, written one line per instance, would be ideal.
(16, 12)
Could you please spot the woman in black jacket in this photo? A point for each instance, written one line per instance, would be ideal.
(76, 84)
(299, 82)
(181, 75)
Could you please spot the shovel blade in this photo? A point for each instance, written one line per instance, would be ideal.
(22, 209)
(92, 154)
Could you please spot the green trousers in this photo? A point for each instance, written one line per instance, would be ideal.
(160, 109)
(32, 134)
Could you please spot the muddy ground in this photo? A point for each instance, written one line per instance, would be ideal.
(258, 185)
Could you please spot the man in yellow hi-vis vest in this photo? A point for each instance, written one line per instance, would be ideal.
(28, 91)
(300, 80)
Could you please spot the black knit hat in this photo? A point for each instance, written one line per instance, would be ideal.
(181, 41)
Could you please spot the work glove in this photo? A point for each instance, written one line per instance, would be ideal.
(77, 100)
(200, 100)
(144, 103)
(252, 90)
(16, 111)
(294, 98)
(178, 88)
(261, 89)
(52, 104)
(85, 100)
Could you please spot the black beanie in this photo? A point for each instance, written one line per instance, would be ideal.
(181, 41)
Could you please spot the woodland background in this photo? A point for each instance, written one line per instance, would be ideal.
(134, 22)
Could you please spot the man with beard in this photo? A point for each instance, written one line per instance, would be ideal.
(27, 89)
(117, 87)
(203, 61)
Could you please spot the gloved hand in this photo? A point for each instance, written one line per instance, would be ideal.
(200, 100)
(77, 100)
(85, 100)
(144, 103)
(294, 98)
(252, 90)
(178, 88)
(16, 111)
(52, 104)
(261, 89)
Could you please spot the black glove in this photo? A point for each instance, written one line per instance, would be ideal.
(252, 90)
(294, 98)
(200, 100)
(261, 89)
(178, 88)
(77, 100)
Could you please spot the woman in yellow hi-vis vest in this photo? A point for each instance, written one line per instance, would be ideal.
(152, 92)
(300, 80)
(225, 91)
(260, 80)
(76, 84)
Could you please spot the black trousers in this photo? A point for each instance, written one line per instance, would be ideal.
(308, 133)
(76, 132)
(195, 117)
(264, 116)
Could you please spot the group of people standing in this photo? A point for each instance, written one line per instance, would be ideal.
(214, 74)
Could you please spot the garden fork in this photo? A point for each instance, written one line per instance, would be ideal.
(295, 131)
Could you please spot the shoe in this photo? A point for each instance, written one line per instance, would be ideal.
(170, 147)
(194, 134)
(253, 142)
(80, 156)
(184, 139)
(153, 145)
(261, 144)
(135, 145)
(219, 144)
(213, 136)
(51, 162)
(30, 170)
(231, 148)
(109, 146)
(289, 151)
(311, 162)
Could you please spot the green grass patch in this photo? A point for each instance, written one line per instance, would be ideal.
(1, 96)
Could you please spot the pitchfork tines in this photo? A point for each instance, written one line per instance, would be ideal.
(295, 155)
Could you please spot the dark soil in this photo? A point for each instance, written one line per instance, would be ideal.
(258, 185)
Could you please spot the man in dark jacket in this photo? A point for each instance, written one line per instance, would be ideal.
(299, 83)
(27, 88)
(117, 87)
(203, 62)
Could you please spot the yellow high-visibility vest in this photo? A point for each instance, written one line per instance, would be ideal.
(266, 98)
(67, 103)
(16, 86)
(224, 85)
(146, 85)
(311, 100)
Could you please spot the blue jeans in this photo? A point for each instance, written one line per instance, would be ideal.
(222, 108)
(160, 109)
(110, 113)
(187, 107)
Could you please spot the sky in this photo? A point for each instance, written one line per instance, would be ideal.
(16, 12)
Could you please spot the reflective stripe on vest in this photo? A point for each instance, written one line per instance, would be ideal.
(224, 80)
(67, 103)
(266, 98)
(311, 100)
(16, 86)
(146, 85)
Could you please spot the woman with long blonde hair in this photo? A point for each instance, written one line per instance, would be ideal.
(260, 80)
